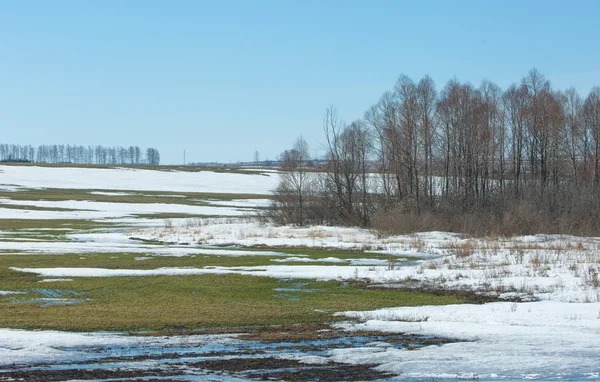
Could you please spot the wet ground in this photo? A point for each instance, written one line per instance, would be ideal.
(289, 353)
(48, 297)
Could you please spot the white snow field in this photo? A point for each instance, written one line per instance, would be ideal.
(129, 179)
(554, 334)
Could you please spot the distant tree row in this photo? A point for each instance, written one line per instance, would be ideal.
(438, 159)
(77, 154)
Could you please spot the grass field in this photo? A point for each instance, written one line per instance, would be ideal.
(185, 198)
(169, 302)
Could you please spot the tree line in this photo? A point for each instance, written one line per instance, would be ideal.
(477, 159)
(78, 154)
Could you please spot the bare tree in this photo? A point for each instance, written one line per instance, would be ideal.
(256, 157)
(591, 118)
(515, 110)
(426, 99)
(347, 178)
(382, 120)
(572, 131)
(296, 184)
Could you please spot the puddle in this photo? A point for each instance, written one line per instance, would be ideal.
(50, 297)
(290, 290)
(295, 290)
(56, 293)
(279, 353)
(44, 302)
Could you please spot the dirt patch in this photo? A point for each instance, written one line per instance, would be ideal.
(267, 368)
(70, 374)
(335, 373)
(292, 333)
(470, 296)
(170, 356)
(315, 332)
(245, 364)
(275, 369)
(302, 333)
(271, 333)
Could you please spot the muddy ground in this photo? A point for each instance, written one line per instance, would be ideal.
(281, 353)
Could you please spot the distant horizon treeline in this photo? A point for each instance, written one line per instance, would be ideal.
(79, 154)
(465, 158)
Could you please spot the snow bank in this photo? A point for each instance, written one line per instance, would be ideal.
(33, 346)
(537, 340)
(549, 267)
(249, 233)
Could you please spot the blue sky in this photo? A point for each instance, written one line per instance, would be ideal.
(222, 79)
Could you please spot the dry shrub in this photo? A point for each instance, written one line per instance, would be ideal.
(590, 278)
(567, 212)
(391, 263)
(418, 244)
(464, 249)
(397, 222)
(573, 267)
(521, 219)
(530, 209)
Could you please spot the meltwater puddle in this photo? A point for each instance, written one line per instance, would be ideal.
(48, 297)
(299, 352)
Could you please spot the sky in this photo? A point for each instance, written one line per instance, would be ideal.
(223, 79)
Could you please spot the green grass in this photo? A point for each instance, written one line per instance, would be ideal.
(37, 208)
(63, 224)
(30, 237)
(176, 215)
(190, 198)
(191, 302)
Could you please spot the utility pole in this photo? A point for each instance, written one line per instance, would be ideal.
(184, 157)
